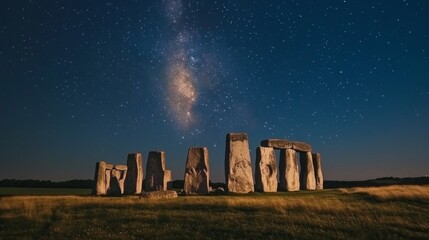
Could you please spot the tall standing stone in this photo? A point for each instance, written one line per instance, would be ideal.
(117, 180)
(197, 171)
(238, 169)
(266, 170)
(289, 172)
(134, 179)
(102, 178)
(317, 162)
(168, 180)
(307, 178)
(155, 171)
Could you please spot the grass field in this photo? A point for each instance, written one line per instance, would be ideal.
(397, 212)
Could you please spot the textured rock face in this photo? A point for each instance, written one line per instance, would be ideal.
(117, 180)
(238, 169)
(197, 171)
(317, 162)
(266, 170)
(160, 194)
(289, 173)
(134, 179)
(307, 178)
(168, 180)
(102, 177)
(155, 171)
(286, 144)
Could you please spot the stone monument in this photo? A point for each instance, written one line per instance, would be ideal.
(317, 162)
(134, 178)
(265, 170)
(157, 177)
(289, 172)
(307, 178)
(197, 171)
(238, 169)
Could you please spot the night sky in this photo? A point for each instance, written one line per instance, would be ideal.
(84, 81)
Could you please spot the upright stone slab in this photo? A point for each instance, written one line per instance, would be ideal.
(168, 180)
(134, 179)
(266, 170)
(289, 173)
(120, 171)
(102, 178)
(317, 162)
(307, 178)
(197, 171)
(155, 171)
(238, 169)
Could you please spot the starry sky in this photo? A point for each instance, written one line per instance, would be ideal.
(84, 81)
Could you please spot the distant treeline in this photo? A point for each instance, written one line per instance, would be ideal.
(178, 184)
(29, 183)
(385, 181)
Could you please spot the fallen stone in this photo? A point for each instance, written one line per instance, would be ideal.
(160, 194)
(307, 178)
(289, 174)
(238, 169)
(134, 179)
(155, 171)
(197, 171)
(317, 162)
(266, 170)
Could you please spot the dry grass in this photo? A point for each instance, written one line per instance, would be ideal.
(346, 214)
(396, 192)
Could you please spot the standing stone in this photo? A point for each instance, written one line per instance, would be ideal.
(197, 171)
(100, 178)
(114, 188)
(266, 170)
(307, 178)
(238, 169)
(155, 171)
(168, 180)
(134, 179)
(318, 170)
(121, 174)
(289, 174)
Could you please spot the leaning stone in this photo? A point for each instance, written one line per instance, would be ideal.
(317, 162)
(155, 171)
(289, 174)
(266, 170)
(168, 180)
(238, 169)
(301, 147)
(134, 179)
(277, 143)
(197, 171)
(160, 194)
(307, 178)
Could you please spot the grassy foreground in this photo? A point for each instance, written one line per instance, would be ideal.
(396, 212)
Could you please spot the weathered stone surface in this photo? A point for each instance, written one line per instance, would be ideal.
(238, 169)
(160, 194)
(317, 162)
(155, 171)
(134, 179)
(301, 147)
(168, 180)
(100, 178)
(277, 143)
(286, 144)
(289, 174)
(219, 190)
(307, 178)
(117, 180)
(197, 171)
(266, 170)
